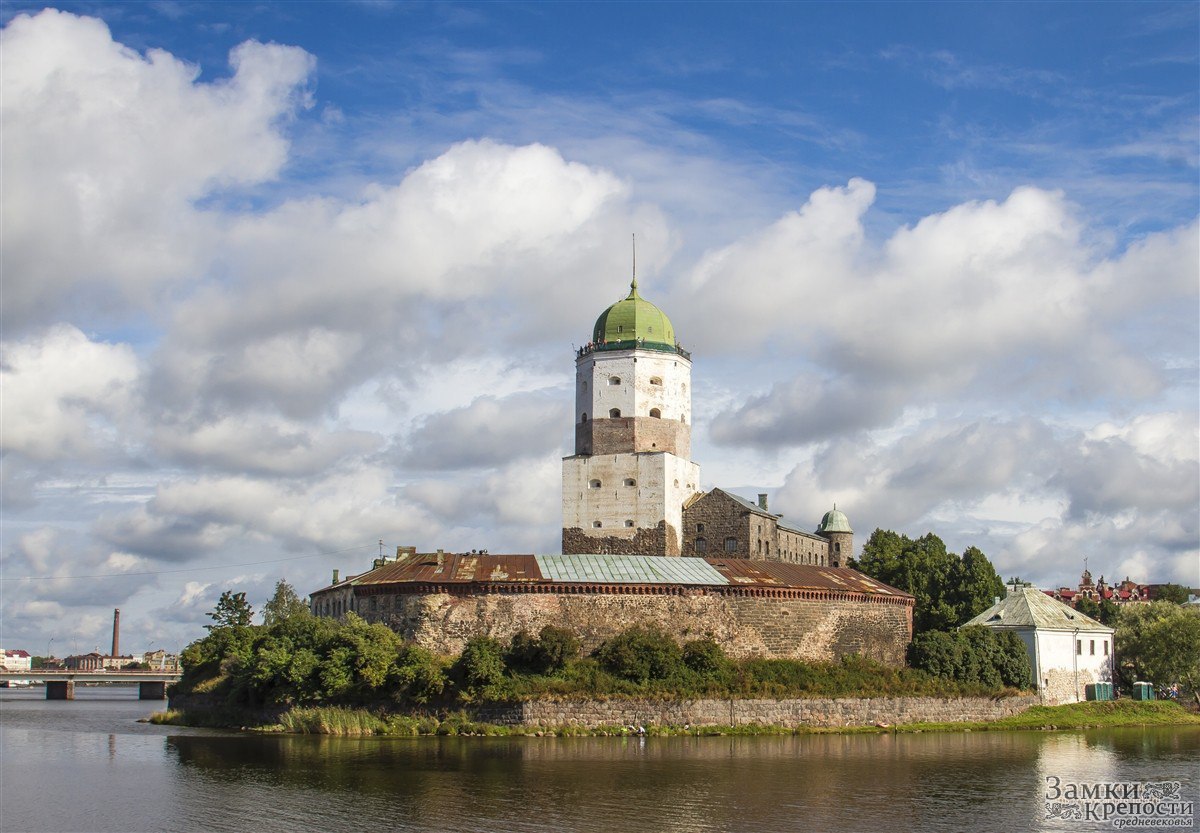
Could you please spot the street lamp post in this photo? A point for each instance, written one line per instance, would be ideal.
(48, 642)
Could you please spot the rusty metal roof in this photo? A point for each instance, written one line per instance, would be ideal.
(742, 572)
(467, 568)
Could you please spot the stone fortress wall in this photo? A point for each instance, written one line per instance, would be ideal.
(810, 625)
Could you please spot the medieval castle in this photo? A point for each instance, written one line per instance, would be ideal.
(641, 544)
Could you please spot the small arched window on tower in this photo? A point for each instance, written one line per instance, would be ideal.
(655, 380)
(629, 524)
(629, 481)
(614, 380)
(615, 413)
(656, 413)
(594, 484)
(584, 417)
(596, 524)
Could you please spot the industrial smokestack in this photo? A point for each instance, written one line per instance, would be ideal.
(116, 651)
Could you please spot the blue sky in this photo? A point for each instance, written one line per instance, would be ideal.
(283, 279)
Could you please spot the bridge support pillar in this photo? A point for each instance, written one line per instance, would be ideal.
(152, 691)
(60, 689)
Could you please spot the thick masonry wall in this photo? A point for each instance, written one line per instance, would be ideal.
(823, 712)
(659, 541)
(784, 624)
(605, 435)
(715, 518)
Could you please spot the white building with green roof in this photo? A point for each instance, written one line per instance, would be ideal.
(1067, 650)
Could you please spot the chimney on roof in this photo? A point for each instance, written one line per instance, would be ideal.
(335, 576)
(116, 651)
(762, 501)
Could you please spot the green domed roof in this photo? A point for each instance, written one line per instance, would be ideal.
(634, 319)
(835, 521)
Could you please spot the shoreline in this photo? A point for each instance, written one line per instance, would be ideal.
(346, 722)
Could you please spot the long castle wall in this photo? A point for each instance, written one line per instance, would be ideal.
(792, 713)
(806, 625)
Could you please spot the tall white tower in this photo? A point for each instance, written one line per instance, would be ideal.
(625, 486)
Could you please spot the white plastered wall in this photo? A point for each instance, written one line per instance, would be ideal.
(633, 394)
(661, 483)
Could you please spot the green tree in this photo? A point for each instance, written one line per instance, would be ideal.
(1159, 642)
(1088, 607)
(1109, 612)
(975, 584)
(284, 604)
(232, 611)
(1174, 593)
(973, 655)
(949, 589)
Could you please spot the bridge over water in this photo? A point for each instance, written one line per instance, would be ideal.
(60, 685)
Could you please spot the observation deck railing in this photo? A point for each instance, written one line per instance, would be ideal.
(631, 344)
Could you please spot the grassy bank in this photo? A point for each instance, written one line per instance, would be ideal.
(1079, 716)
(338, 721)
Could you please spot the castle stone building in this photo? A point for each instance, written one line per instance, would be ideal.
(631, 488)
(631, 506)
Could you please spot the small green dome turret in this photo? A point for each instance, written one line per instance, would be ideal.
(835, 521)
(634, 319)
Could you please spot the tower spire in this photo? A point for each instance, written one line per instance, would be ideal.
(633, 283)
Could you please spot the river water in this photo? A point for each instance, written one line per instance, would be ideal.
(88, 765)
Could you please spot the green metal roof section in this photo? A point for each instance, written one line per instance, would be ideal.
(634, 319)
(834, 521)
(1029, 607)
(629, 569)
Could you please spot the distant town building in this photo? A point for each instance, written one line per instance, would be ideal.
(1124, 592)
(1067, 650)
(92, 661)
(17, 660)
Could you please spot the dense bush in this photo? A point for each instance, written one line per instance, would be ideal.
(481, 663)
(547, 653)
(706, 658)
(641, 654)
(973, 655)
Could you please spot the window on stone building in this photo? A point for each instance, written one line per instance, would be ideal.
(837, 546)
(699, 527)
(701, 545)
(654, 380)
(615, 413)
(731, 545)
(768, 549)
(656, 413)
(629, 481)
(374, 603)
(584, 417)
(595, 484)
(614, 380)
(629, 524)
(596, 524)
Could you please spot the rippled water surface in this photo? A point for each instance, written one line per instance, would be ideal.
(88, 765)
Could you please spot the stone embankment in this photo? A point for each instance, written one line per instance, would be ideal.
(790, 713)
